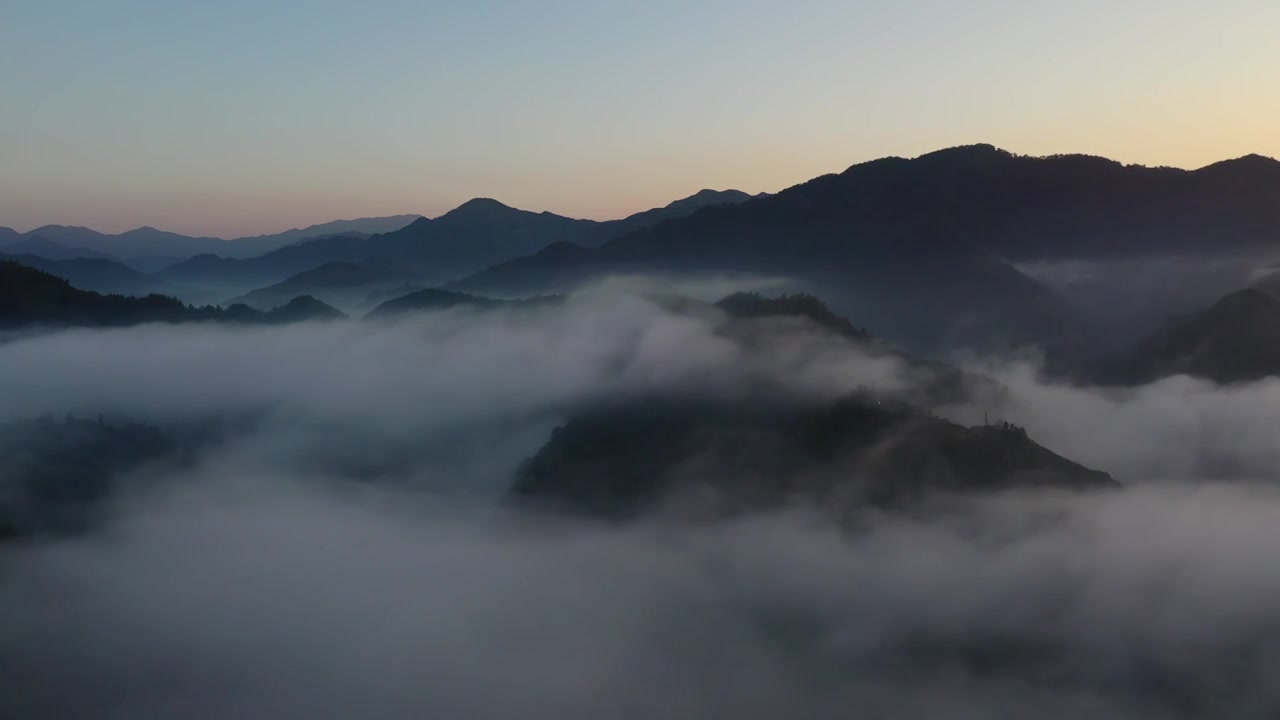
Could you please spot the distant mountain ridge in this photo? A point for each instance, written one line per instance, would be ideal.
(363, 226)
(43, 247)
(475, 235)
(149, 241)
(98, 275)
(920, 247)
(982, 199)
(923, 247)
(31, 297)
(336, 283)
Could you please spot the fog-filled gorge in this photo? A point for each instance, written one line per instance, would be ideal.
(336, 536)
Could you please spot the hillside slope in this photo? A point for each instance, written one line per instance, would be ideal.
(1237, 339)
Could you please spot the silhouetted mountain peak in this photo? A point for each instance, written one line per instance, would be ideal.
(1258, 160)
(706, 197)
(46, 229)
(967, 152)
(151, 236)
(1249, 167)
(305, 307)
(478, 207)
(985, 156)
(69, 235)
(980, 156)
(1252, 160)
(204, 259)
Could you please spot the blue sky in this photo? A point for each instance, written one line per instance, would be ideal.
(238, 117)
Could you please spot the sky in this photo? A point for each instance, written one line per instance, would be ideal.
(252, 116)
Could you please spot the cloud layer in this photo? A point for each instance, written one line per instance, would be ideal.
(249, 586)
(284, 603)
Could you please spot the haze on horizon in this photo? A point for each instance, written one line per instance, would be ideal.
(240, 118)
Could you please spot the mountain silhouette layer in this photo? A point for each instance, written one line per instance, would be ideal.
(917, 247)
(339, 283)
(148, 241)
(922, 247)
(100, 275)
(473, 236)
(45, 248)
(30, 297)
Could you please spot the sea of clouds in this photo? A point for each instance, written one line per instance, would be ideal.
(256, 581)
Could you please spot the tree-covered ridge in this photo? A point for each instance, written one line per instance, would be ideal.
(628, 458)
(56, 474)
(32, 297)
(747, 305)
(437, 299)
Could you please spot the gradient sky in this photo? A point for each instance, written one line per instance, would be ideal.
(244, 117)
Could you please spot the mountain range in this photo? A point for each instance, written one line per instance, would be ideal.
(894, 242)
(929, 249)
(473, 236)
(148, 241)
(345, 269)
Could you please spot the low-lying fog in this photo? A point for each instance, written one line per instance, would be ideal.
(260, 582)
